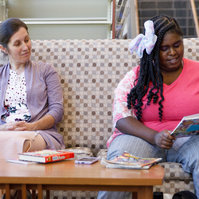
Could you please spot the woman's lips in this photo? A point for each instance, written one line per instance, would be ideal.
(25, 54)
(173, 61)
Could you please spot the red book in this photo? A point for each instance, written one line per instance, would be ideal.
(46, 156)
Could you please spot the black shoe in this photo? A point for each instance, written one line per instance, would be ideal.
(184, 195)
(18, 194)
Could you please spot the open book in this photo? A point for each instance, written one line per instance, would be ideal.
(128, 161)
(188, 126)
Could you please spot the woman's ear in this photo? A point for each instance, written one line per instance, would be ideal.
(3, 49)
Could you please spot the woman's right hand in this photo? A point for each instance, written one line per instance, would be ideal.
(164, 140)
(13, 126)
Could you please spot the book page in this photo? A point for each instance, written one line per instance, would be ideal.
(186, 127)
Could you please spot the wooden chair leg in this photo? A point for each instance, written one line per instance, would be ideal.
(47, 194)
(134, 195)
(33, 194)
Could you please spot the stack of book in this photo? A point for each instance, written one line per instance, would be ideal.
(43, 156)
(129, 161)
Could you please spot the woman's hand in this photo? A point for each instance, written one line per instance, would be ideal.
(44, 123)
(164, 140)
(13, 126)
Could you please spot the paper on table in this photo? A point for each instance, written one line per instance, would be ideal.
(20, 161)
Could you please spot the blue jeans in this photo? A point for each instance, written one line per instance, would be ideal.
(184, 151)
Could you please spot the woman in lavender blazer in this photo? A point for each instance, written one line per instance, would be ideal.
(31, 100)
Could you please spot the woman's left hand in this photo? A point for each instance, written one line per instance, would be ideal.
(164, 140)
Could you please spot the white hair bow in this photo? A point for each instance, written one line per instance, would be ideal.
(146, 41)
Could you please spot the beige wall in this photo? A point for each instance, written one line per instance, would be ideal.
(64, 19)
(57, 8)
(2, 10)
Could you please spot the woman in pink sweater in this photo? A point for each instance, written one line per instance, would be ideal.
(152, 99)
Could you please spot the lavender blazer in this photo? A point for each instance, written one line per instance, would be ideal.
(44, 97)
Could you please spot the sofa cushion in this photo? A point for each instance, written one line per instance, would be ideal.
(89, 71)
(174, 171)
(174, 186)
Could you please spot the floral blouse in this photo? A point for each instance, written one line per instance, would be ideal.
(120, 109)
(15, 99)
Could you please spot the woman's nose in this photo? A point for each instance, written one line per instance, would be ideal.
(24, 46)
(172, 51)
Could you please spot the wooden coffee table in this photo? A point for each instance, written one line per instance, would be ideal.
(66, 175)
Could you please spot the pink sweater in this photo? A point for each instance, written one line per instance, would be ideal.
(181, 99)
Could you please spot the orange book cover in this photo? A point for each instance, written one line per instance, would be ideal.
(46, 156)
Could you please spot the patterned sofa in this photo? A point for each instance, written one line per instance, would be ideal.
(89, 71)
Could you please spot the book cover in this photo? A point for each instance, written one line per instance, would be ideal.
(188, 126)
(129, 161)
(46, 156)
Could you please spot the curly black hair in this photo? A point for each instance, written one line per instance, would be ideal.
(149, 70)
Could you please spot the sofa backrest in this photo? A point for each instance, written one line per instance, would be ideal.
(89, 72)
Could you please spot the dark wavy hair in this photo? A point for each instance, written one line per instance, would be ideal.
(150, 71)
(8, 28)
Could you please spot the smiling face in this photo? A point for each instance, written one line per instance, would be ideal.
(19, 48)
(171, 52)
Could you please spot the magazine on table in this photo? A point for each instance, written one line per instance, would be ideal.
(188, 126)
(129, 161)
